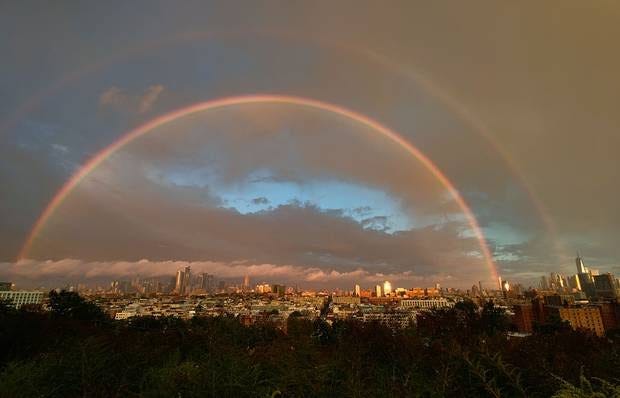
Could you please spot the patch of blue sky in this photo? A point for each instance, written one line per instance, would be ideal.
(260, 191)
(324, 194)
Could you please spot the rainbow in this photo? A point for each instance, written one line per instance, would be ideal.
(421, 80)
(132, 135)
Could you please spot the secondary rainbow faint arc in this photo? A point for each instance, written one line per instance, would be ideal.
(98, 158)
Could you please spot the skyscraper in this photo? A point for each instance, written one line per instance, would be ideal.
(246, 283)
(605, 286)
(204, 282)
(209, 283)
(378, 291)
(357, 291)
(573, 282)
(183, 284)
(387, 288)
(587, 284)
(585, 278)
(581, 268)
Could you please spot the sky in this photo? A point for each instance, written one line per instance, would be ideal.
(515, 103)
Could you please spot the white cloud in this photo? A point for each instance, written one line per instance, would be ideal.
(34, 271)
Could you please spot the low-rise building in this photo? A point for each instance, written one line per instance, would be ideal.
(19, 298)
(428, 303)
(346, 299)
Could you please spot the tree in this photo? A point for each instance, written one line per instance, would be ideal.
(493, 319)
(6, 307)
(72, 305)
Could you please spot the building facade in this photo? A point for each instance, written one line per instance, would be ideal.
(19, 298)
(426, 303)
(584, 318)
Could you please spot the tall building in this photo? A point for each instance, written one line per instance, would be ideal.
(387, 288)
(544, 285)
(505, 287)
(556, 281)
(378, 291)
(121, 287)
(581, 268)
(587, 284)
(205, 283)
(573, 282)
(585, 278)
(246, 283)
(280, 290)
(183, 281)
(357, 291)
(605, 286)
(209, 283)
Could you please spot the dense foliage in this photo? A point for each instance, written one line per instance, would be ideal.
(74, 350)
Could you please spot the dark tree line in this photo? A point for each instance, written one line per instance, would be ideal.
(75, 350)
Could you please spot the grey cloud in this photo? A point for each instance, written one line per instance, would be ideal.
(260, 201)
(126, 217)
(122, 100)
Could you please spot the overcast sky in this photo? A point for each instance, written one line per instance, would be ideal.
(516, 103)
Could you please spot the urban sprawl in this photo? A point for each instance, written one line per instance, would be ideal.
(587, 300)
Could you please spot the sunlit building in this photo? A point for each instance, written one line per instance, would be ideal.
(584, 318)
(573, 282)
(426, 303)
(19, 298)
(581, 268)
(387, 288)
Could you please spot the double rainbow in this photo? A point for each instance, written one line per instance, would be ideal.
(97, 159)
